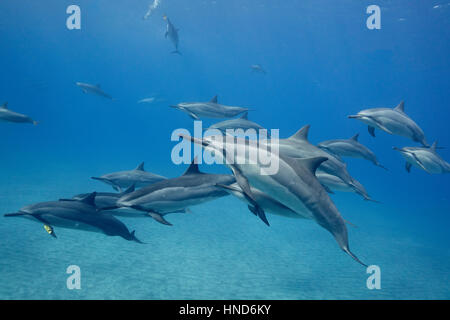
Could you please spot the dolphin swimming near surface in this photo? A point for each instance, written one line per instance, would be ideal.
(393, 121)
(94, 89)
(125, 179)
(172, 34)
(350, 148)
(294, 184)
(79, 215)
(176, 194)
(426, 159)
(210, 109)
(257, 68)
(11, 116)
(239, 123)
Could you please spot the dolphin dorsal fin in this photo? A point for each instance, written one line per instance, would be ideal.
(214, 99)
(193, 168)
(400, 107)
(301, 134)
(434, 146)
(89, 199)
(312, 163)
(4, 106)
(355, 137)
(140, 167)
(245, 116)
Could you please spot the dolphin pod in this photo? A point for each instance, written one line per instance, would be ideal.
(294, 185)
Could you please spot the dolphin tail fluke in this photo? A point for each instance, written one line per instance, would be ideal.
(177, 52)
(158, 217)
(347, 251)
(133, 237)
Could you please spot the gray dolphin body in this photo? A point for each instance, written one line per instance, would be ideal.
(172, 34)
(334, 183)
(257, 68)
(125, 179)
(79, 215)
(350, 148)
(393, 121)
(294, 184)
(94, 89)
(240, 123)
(11, 116)
(426, 159)
(210, 109)
(176, 194)
(265, 201)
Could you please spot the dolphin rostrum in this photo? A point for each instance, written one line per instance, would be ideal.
(424, 158)
(172, 34)
(176, 194)
(393, 121)
(294, 184)
(94, 89)
(78, 215)
(210, 109)
(11, 116)
(350, 148)
(125, 179)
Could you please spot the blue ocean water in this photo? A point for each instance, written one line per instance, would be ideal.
(323, 64)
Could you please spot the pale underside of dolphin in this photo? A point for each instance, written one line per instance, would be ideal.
(294, 184)
(351, 148)
(11, 116)
(393, 121)
(211, 109)
(125, 179)
(426, 159)
(75, 214)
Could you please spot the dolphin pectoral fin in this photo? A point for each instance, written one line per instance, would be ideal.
(350, 224)
(347, 251)
(371, 131)
(327, 189)
(193, 116)
(133, 237)
(117, 188)
(166, 34)
(259, 212)
(158, 217)
(408, 167)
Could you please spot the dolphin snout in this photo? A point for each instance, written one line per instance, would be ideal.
(354, 116)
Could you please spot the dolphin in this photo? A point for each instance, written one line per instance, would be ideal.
(172, 33)
(152, 7)
(239, 123)
(210, 109)
(257, 68)
(294, 184)
(176, 194)
(94, 89)
(393, 121)
(11, 116)
(424, 158)
(333, 183)
(78, 215)
(125, 179)
(350, 148)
